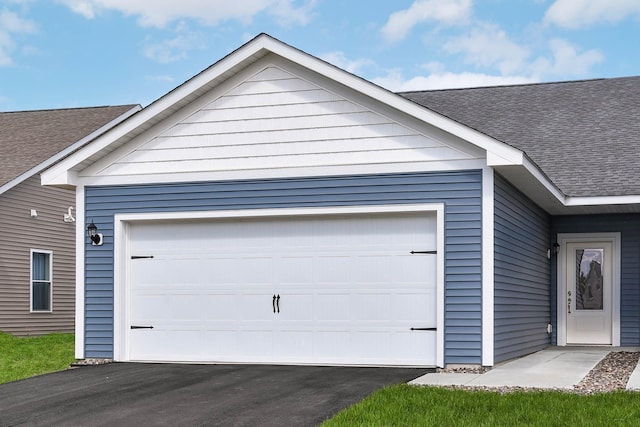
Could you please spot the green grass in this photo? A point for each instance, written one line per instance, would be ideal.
(29, 356)
(405, 405)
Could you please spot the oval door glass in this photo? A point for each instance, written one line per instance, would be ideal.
(589, 279)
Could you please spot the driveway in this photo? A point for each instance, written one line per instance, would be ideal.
(133, 394)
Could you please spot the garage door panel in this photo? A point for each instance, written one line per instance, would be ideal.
(332, 307)
(158, 271)
(220, 306)
(369, 307)
(331, 269)
(370, 269)
(349, 290)
(293, 269)
(255, 345)
(412, 307)
(254, 270)
(256, 306)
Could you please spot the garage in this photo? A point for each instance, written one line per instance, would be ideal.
(323, 289)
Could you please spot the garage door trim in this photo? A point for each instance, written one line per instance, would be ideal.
(122, 254)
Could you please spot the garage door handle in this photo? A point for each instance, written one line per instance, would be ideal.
(424, 329)
(276, 303)
(141, 327)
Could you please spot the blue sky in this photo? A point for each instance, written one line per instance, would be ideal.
(71, 53)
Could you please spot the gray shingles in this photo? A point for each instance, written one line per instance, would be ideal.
(28, 138)
(584, 135)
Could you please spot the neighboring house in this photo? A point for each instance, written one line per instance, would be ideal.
(277, 209)
(37, 231)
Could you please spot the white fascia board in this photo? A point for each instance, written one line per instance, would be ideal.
(59, 175)
(542, 178)
(602, 201)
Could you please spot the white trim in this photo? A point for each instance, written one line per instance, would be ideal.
(121, 309)
(121, 254)
(80, 308)
(542, 179)
(50, 253)
(561, 285)
(602, 201)
(488, 223)
(260, 213)
(298, 172)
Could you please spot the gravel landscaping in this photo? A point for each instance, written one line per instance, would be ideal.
(612, 373)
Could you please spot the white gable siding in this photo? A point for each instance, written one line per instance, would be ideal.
(278, 124)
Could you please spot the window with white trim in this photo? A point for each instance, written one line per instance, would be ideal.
(41, 281)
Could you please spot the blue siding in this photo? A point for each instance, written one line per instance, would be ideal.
(461, 192)
(628, 225)
(522, 274)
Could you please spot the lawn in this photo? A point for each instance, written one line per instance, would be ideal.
(29, 356)
(405, 405)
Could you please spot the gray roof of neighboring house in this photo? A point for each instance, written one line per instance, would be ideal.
(29, 138)
(584, 135)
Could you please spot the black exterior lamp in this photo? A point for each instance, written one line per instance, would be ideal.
(556, 248)
(96, 238)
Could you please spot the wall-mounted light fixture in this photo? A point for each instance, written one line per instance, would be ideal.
(96, 238)
(553, 250)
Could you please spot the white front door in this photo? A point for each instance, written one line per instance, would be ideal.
(589, 292)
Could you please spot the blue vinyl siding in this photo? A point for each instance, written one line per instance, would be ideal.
(461, 192)
(522, 274)
(628, 225)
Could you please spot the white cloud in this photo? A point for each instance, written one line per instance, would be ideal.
(176, 48)
(488, 46)
(582, 13)
(395, 82)
(566, 61)
(339, 59)
(159, 13)
(287, 15)
(448, 12)
(10, 25)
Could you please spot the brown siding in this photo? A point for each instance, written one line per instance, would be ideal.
(19, 233)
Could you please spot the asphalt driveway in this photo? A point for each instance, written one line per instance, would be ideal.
(134, 394)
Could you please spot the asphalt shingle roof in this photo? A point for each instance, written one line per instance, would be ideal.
(584, 135)
(28, 138)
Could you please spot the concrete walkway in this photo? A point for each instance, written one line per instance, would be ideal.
(552, 368)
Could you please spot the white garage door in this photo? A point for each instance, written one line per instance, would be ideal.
(302, 290)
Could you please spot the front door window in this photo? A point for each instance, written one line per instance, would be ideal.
(589, 279)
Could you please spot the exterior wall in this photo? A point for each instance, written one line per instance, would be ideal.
(19, 233)
(628, 225)
(522, 286)
(461, 193)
